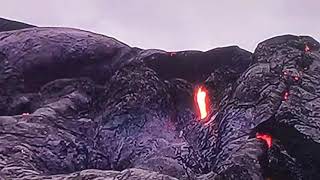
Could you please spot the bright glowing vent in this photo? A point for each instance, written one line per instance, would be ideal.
(201, 98)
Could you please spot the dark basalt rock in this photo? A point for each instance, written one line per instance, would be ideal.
(274, 96)
(32, 57)
(9, 25)
(196, 66)
(78, 105)
(45, 54)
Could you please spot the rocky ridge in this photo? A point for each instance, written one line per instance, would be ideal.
(79, 105)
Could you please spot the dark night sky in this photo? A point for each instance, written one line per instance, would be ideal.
(174, 24)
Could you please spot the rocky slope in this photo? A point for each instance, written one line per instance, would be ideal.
(79, 105)
(8, 25)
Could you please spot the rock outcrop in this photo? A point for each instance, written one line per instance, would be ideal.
(9, 25)
(79, 105)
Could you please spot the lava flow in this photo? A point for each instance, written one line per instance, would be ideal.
(201, 97)
(266, 137)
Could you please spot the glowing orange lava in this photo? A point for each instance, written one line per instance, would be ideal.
(201, 97)
(267, 138)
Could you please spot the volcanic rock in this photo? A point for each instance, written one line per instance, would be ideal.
(8, 25)
(79, 105)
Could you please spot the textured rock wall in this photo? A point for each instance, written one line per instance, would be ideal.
(78, 105)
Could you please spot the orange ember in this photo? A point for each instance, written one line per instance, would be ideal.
(202, 104)
(265, 137)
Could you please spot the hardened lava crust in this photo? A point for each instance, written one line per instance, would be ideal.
(80, 105)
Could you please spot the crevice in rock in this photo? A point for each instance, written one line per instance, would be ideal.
(293, 155)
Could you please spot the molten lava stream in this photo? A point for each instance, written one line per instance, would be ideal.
(202, 102)
(265, 137)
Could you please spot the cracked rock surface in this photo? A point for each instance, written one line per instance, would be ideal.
(79, 105)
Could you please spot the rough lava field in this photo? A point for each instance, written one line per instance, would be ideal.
(80, 105)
